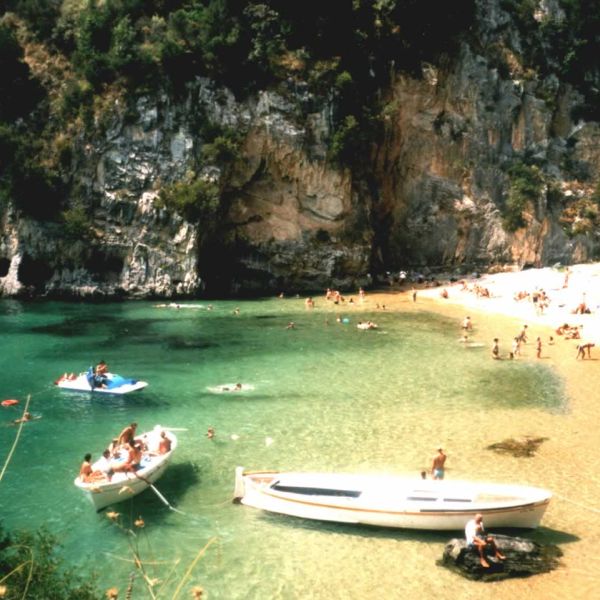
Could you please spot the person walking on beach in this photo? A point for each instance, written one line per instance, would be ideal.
(467, 325)
(414, 295)
(523, 335)
(538, 347)
(516, 347)
(495, 349)
(437, 466)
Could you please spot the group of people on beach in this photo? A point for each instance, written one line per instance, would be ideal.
(124, 454)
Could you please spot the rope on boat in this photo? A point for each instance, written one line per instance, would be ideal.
(595, 510)
(14, 446)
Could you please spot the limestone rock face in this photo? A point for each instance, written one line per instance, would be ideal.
(431, 193)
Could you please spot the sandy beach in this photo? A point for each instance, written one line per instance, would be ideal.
(564, 463)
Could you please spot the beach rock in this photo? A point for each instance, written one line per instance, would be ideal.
(524, 558)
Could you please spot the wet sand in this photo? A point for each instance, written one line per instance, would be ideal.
(564, 463)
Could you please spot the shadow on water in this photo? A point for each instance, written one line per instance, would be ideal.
(173, 486)
(186, 343)
(80, 326)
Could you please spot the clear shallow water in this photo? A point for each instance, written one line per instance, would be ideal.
(325, 396)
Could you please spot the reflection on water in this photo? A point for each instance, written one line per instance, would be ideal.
(322, 396)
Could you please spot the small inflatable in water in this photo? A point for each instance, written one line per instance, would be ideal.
(9, 402)
(230, 387)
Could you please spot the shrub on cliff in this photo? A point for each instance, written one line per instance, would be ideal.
(19, 92)
(526, 185)
(196, 200)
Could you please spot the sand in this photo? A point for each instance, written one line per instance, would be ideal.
(566, 463)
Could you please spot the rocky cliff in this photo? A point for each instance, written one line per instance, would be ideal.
(434, 191)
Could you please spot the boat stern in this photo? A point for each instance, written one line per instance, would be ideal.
(239, 488)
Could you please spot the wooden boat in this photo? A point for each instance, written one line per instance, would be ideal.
(124, 485)
(114, 384)
(391, 501)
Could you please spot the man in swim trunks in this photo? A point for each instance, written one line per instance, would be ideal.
(477, 539)
(437, 468)
(127, 435)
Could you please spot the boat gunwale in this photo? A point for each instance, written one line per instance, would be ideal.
(427, 512)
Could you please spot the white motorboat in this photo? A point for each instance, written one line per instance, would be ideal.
(124, 485)
(391, 500)
(111, 383)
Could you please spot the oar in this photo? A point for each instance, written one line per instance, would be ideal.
(165, 501)
(160, 496)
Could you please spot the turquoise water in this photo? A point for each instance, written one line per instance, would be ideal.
(321, 396)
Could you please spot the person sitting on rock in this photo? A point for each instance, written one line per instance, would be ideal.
(478, 540)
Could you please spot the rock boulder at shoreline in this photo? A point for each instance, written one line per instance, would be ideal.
(524, 558)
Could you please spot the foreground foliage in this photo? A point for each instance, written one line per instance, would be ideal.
(30, 569)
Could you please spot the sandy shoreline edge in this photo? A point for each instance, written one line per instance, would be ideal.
(563, 463)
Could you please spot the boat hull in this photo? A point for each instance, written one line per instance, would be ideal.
(428, 514)
(81, 384)
(126, 485)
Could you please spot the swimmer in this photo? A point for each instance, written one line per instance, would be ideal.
(210, 434)
(27, 416)
(291, 325)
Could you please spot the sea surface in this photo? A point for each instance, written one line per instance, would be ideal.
(323, 395)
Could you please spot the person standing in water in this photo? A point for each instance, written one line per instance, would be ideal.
(437, 467)
(495, 349)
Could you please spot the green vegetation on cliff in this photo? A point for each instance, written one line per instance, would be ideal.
(62, 62)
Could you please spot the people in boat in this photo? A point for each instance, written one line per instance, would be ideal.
(87, 474)
(164, 445)
(437, 466)
(133, 460)
(100, 374)
(113, 447)
(478, 540)
(127, 435)
(101, 368)
(85, 471)
(103, 466)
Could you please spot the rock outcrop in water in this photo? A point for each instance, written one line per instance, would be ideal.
(523, 559)
(433, 192)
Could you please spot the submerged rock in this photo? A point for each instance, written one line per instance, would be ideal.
(525, 446)
(524, 557)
